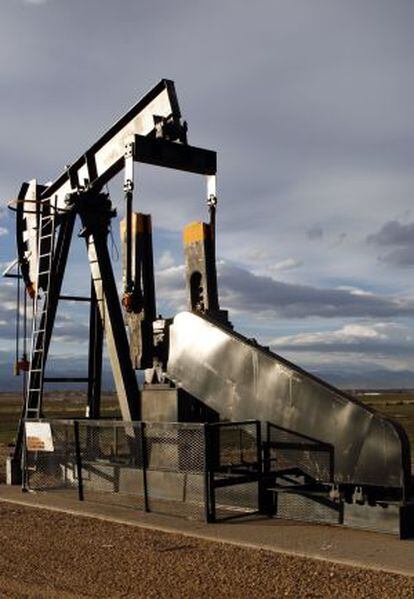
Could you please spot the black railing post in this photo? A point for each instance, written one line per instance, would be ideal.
(144, 466)
(268, 499)
(209, 491)
(78, 459)
(260, 475)
(23, 461)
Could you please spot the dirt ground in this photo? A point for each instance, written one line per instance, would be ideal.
(48, 555)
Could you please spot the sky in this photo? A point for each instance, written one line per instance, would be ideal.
(310, 106)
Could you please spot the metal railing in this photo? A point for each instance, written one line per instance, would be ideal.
(174, 468)
(204, 471)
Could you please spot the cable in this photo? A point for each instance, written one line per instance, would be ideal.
(17, 326)
(25, 325)
(24, 338)
(114, 248)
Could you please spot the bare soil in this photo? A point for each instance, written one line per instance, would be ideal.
(52, 555)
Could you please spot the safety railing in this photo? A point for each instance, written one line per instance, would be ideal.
(234, 469)
(289, 451)
(181, 469)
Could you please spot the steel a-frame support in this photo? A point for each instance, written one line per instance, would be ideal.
(94, 358)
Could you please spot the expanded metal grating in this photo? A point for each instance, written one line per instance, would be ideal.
(291, 450)
(47, 471)
(154, 466)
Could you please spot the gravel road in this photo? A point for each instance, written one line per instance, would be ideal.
(48, 555)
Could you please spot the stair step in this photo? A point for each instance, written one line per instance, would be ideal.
(298, 489)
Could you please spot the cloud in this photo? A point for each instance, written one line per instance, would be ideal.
(315, 232)
(166, 260)
(35, 2)
(170, 287)
(385, 338)
(244, 291)
(3, 231)
(393, 233)
(258, 255)
(288, 264)
(401, 237)
(70, 327)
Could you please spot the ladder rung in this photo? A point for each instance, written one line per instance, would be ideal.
(75, 298)
(44, 255)
(46, 236)
(34, 389)
(66, 380)
(44, 272)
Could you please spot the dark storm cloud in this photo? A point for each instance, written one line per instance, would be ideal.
(68, 327)
(315, 232)
(393, 233)
(253, 294)
(248, 292)
(399, 236)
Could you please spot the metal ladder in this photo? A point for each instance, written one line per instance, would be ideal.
(46, 246)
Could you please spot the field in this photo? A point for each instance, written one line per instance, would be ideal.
(71, 404)
(398, 406)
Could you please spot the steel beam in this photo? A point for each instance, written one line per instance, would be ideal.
(95, 358)
(113, 324)
(105, 158)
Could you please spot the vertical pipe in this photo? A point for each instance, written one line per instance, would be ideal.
(260, 477)
(17, 357)
(206, 481)
(209, 491)
(78, 460)
(128, 219)
(23, 461)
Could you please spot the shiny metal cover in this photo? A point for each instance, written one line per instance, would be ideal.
(242, 380)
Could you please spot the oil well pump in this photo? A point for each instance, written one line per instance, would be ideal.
(196, 367)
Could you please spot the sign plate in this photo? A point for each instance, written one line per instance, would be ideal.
(39, 436)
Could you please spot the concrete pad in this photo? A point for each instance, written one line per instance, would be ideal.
(329, 543)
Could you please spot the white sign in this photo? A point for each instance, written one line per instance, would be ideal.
(38, 436)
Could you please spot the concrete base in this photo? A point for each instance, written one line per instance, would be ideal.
(173, 486)
(163, 403)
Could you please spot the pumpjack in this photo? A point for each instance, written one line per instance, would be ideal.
(196, 367)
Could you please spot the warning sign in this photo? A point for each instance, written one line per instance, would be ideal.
(39, 436)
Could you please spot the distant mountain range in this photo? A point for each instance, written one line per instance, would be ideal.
(344, 379)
